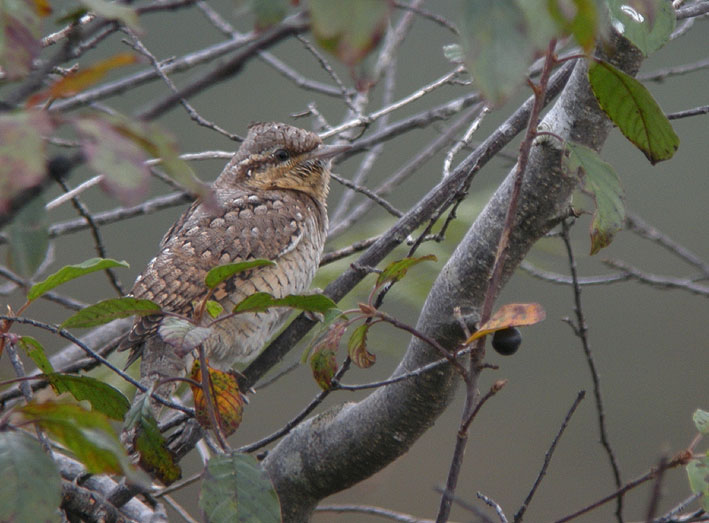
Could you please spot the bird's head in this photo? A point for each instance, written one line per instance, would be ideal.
(279, 156)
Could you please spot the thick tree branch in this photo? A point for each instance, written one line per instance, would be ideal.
(350, 442)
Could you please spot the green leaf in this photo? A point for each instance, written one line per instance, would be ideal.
(701, 421)
(109, 310)
(36, 352)
(28, 238)
(323, 333)
(323, 365)
(698, 473)
(20, 31)
(71, 272)
(214, 308)
(540, 25)
(143, 432)
(601, 181)
(22, 152)
(31, 488)
(121, 161)
(261, 301)
(306, 302)
(633, 109)
(580, 18)
(497, 49)
(397, 269)
(182, 334)
(257, 302)
(268, 12)
(79, 80)
(88, 434)
(114, 11)
(162, 145)
(237, 489)
(222, 272)
(648, 24)
(103, 397)
(350, 30)
(357, 347)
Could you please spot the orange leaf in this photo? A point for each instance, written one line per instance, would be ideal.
(228, 403)
(510, 315)
(42, 7)
(78, 81)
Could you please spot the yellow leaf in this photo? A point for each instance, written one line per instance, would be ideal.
(228, 403)
(510, 315)
(78, 81)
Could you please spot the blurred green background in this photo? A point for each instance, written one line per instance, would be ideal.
(650, 345)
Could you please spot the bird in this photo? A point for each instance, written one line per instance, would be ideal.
(271, 203)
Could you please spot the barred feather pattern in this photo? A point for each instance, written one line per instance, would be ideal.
(265, 209)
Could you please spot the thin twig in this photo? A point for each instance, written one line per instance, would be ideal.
(425, 13)
(194, 115)
(210, 399)
(374, 511)
(96, 234)
(663, 282)
(691, 11)
(677, 461)
(19, 369)
(639, 226)
(120, 213)
(295, 421)
(93, 354)
(328, 69)
(563, 279)
(401, 377)
(67, 302)
(338, 254)
(394, 38)
(178, 485)
(403, 173)
(540, 94)
(494, 504)
(228, 68)
(581, 331)
(695, 111)
(656, 490)
(547, 457)
(465, 140)
(669, 516)
(369, 194)
(368, 119)
(494, 389)
(76, 191)
(448, 355)
(482, 517)
(179, 509)
(661, 74)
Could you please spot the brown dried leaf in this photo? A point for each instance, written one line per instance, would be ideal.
(228, 403)
(510, 315)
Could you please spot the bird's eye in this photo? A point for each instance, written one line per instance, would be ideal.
(281, 155)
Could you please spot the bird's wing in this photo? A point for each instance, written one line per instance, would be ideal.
(248, 227)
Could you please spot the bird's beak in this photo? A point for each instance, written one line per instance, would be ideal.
(325, 152)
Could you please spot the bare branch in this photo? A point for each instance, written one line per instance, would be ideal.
(581, 330)
(664, 282)
(547, 457)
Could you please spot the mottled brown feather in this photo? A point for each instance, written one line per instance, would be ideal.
(268, 208)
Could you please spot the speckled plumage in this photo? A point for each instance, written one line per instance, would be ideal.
(271, 204)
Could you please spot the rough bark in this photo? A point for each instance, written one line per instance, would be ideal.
(350, 442)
